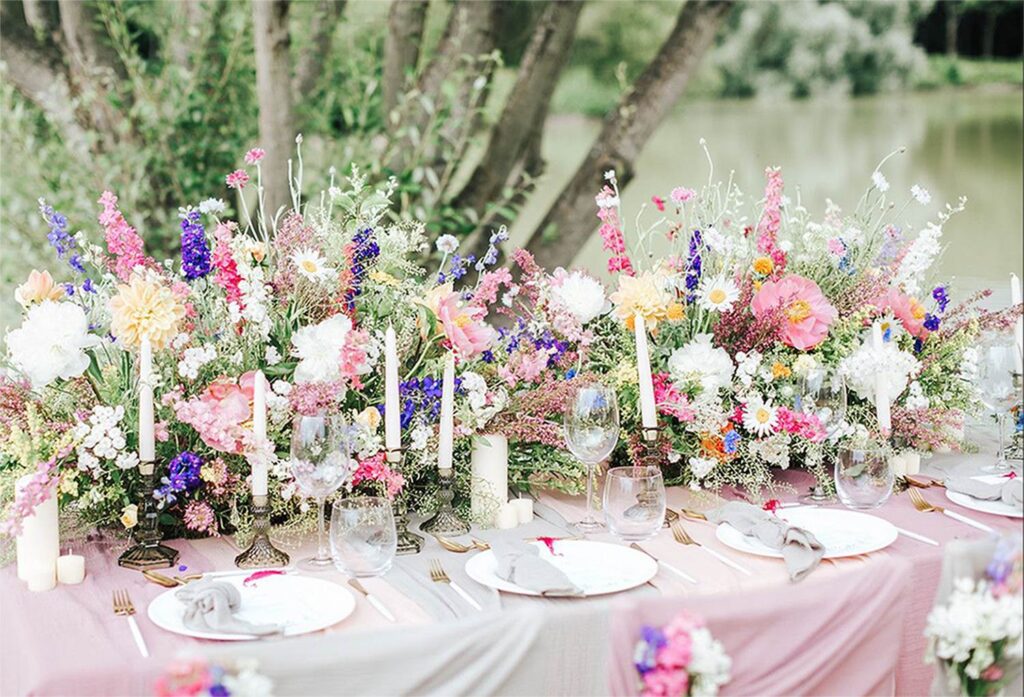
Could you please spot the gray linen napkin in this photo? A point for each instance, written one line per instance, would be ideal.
(520, 563)
(210, 607)
(1009, 491)
(800, 549)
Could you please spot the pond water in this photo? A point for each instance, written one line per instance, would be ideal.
(958, 143)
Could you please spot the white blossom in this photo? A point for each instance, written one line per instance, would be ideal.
(52, 343)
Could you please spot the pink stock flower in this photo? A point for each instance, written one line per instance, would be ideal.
(237, 179)
(184, 678)
(123, 242)
(226, 268)
(490, 284)
(666, 683)
(682, 194)
(464, 326)
(836, 247)
(39, 488)
(807, 426)
(771, 219)
(612, 239)
(670, 400)
(659, 203)
(808, 313)
(220, 414)
(375, 469)
(254, 156)
(907, 309)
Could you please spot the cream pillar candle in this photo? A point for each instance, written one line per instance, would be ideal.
(507, 517)
(524, 509)
(898, 465)
(392, 407)
(1018, 327)
(648, 415)
(882, 405)
(147, 431)
(912, 462)
(447, 430)
(41, 577)
(489, 476)
(71, 569)
(259, 430)
(38, 545)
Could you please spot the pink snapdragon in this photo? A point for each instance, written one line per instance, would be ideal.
(612, 239)
(771, 219)
(123, 242)
(219, 413)
(39, 489)
(237, 179)
(807, 426)
(254, 156)
(375, 469)
(225, 267)
(670, 400)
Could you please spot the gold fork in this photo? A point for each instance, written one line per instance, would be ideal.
(453, 546)
(439, 575)
(123, 607)
(921, 504)
(683, 538)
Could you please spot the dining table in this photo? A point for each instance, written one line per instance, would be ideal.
(853, 626)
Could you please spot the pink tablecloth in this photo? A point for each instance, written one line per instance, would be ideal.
(68, 641)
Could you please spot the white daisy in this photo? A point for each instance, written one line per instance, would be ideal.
(447, 244)
(312, 265)
(718, 294)
(920, 194)
(760, 417)
(880, 182)
(212, 206)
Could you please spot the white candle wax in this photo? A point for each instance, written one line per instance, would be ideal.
(648, 416)
(882, 405)
(447, 431)
(38, 545)
(147, 433)
(507, 517)
(259, 430)
(71, 569)
(489, 476)
(41, 577)
(898, 465)
(1018, 328)
(392, 410)
(523, 509)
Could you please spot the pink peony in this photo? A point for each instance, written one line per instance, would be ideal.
(464, 326)
(220, 414)
(907, 309)
(808, 312)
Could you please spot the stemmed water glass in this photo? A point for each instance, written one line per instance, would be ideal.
(320, 463)
(591, 428)
(823, 394)
(998, 392)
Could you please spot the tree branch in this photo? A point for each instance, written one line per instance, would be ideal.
(273, 90)
(626, 129)
(311, 63)
(402, 46)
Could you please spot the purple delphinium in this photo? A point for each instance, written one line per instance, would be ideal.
(693, 264)
(364, 251)
(182, 475)
(64, 243)
(195, 249)
(941, 298)
(645, 657)
(490, 257)
(421, 400)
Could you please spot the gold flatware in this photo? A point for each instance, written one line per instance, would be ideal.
(480, 544)
(921, 504)
(439, 575)
(453, 546)
(683, 538)
(695, 515)
(160, 579)
(372, 599)
(922, 482)
(123, 607)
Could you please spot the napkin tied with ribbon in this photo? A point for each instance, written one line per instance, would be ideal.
(210, 607)
(1009, 491)
(800, 549)
(520, 563)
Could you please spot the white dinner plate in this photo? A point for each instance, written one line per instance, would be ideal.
(597, 568)
(844, 533)
(299, 603)
(994, 507)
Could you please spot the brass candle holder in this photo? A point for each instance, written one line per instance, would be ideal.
(148, 552)
(261, 553)
(408, 541)
(651, 455)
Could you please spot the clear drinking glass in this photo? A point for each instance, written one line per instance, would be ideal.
(591, 428)
(864, 477)
(320, 463)
(823, 394)
(363, 535)
(998, 392)
(634, 502)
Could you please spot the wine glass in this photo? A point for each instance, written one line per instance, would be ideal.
(823, 394)
(320, 463)
(591, 427)
(998, 392)
(864, 477)
(634, 502)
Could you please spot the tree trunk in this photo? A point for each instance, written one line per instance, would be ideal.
(188, 13)
(625, 131)
(273, 92)
(402, 47)
(526, 109)
(311, 63)
(40, 15)
(952, 22)
(988, 37)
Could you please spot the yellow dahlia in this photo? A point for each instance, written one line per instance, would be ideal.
(646, 295)
(143, 308)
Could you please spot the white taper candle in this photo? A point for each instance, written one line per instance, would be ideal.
(648, 415)
(259, 431)
(1018, 327)
(147, 433)
(392, 409)
(447, 433)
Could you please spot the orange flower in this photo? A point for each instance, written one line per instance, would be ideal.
(780, 371)
(676, 312)
(764, 265)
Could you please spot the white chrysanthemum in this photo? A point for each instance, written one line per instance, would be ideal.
(920, 194)
(272, 356)
(317, 348)
(701, 363)
(311, 264)
(879, 180)
(916, 398)
(702, 466)
(717, 293)
(447, 244)
(581, 295)
(51, 343)
(861, 368)
(212, 206)
(760, 417)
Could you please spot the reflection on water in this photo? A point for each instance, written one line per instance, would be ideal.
(958, 143)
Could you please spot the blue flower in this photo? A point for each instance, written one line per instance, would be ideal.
(932, 322)
(731, 441)
(183, 475)
(939, 294)
(195, 250)
(570, 374)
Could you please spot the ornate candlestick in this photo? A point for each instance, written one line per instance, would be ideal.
(408, 541)
(261, 553)
(147, 552)
(651, 455)
(446, 521)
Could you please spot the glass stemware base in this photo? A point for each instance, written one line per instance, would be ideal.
(316, 564)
